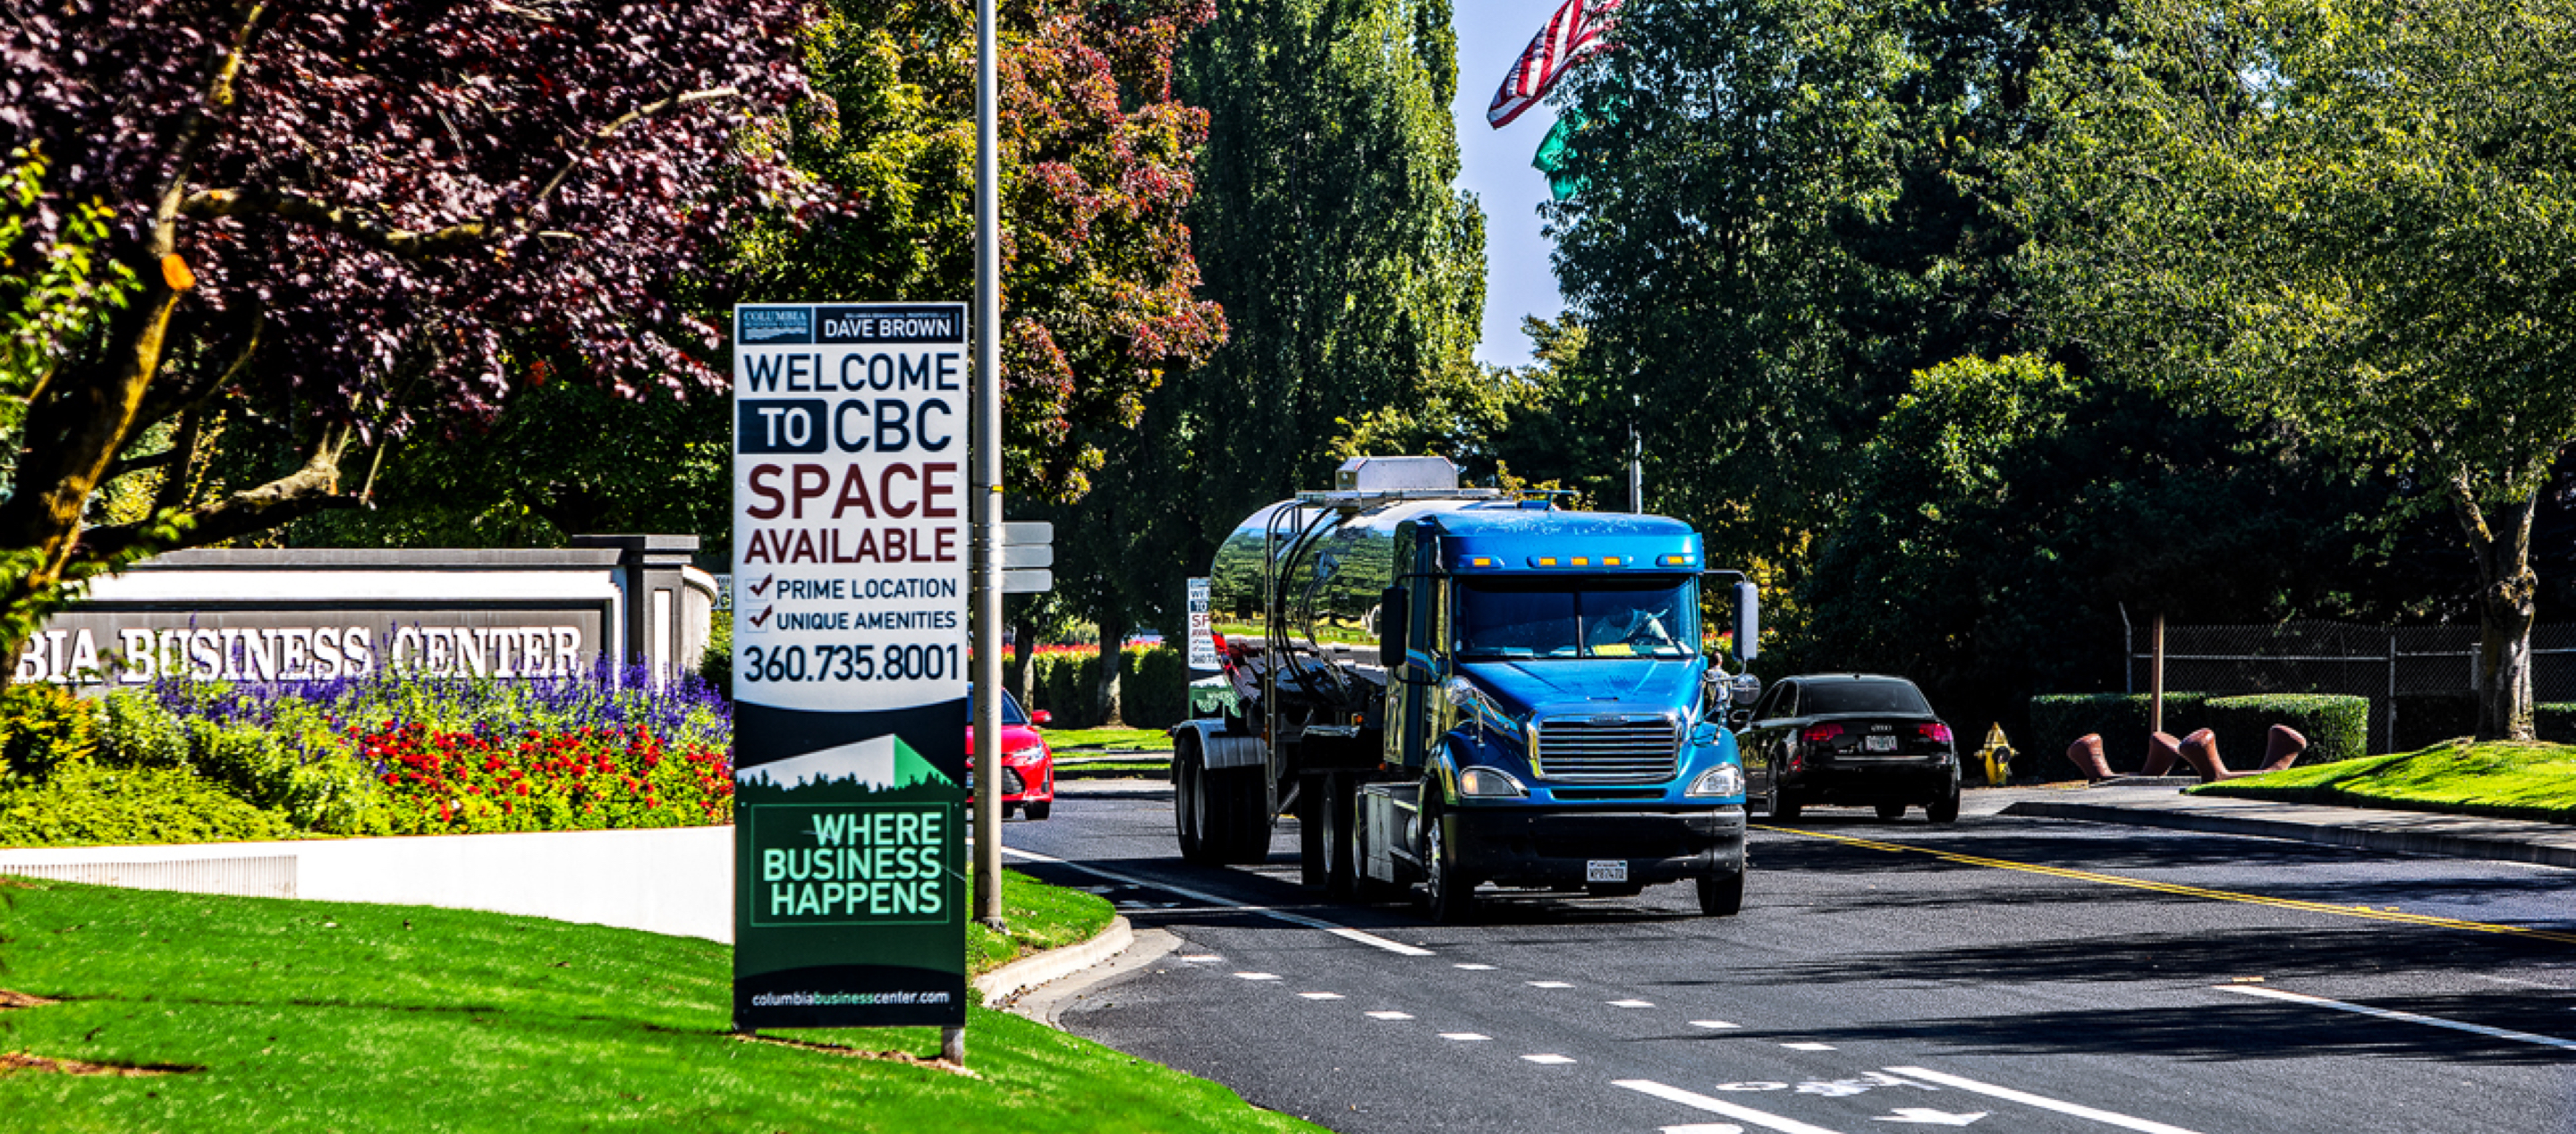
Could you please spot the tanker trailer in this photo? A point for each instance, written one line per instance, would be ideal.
(1454, 687)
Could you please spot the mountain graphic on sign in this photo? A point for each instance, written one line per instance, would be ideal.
(884, 763)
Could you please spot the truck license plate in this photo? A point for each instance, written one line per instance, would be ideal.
(1878, 743)
(1606, 870)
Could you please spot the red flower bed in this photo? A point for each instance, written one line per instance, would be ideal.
(582, 780)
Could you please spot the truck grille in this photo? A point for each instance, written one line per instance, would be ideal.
(1608, 751)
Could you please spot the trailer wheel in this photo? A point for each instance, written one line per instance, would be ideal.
(1449, 898)
(1721, 895)
(1189, 800)
(1237, 819)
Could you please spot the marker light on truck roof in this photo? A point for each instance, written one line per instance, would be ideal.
(1677, 561)
(1481, 561)
(1536, 561)
(1581, 561)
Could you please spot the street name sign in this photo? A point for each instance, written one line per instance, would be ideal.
(849, 640)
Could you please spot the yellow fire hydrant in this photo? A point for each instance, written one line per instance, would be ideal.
(1996, 756)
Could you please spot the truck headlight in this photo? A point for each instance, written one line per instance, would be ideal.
(1489, 782)
(1722, 780)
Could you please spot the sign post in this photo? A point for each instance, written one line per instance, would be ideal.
(849, 644)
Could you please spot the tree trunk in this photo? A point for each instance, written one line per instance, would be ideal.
(1024, 635)
(2508, 591)
(1113, 634)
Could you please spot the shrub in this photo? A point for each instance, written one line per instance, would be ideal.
(2057, 719)
(2557, 721)
(715, 667)
(135, 731)
(1157, 687)
(84, 804)
(2427, 719)
(1153, 686)
(2337, 727)
(42, 727)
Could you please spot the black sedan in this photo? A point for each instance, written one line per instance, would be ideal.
(1852, 739)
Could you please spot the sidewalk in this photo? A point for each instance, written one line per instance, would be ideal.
(2161, 804)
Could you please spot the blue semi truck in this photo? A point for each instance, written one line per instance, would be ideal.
(1457, 686)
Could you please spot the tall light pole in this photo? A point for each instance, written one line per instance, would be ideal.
(987, 482)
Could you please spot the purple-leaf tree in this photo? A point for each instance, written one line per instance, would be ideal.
(349, 219)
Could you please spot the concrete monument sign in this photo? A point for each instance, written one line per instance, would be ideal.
(282, 615)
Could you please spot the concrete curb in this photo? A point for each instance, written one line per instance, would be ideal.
(1036, 969)
(2430, 842)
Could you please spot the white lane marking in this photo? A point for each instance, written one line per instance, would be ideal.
(1549, 984)
(1342, 931)
(1551, 1060)
(1808, 1046)
(1464, 1037)
(1713, 1024)
(1201, 958)
(2393, 1014)
(1390, 1015)
(1629, 1003)
(1705, 1128)
(1926, 1116)
(1258, 976)
(1745, 1114)
(1475, 968)
(1321, 995)
(2043, 1102)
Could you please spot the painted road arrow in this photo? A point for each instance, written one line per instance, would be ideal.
(1926, 1116)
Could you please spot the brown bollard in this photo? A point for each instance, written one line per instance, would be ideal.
(2201, 749)
(2163, 752)
(2282, 748)
(2086, 755)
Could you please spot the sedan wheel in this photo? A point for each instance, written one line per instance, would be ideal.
(1785, 806)
(1891, 812)
(1944, 809)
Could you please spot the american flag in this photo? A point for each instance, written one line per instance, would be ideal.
(1572, 33)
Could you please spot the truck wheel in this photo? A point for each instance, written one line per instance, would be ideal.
(1341, 862)
(1239, 814)
(1891, 812)
(1447, 897)
(1314, 854)
(1721, 895)
(1944, 809)
(1189, 801)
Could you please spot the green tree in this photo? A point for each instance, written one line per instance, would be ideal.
(2351, 221)
(1787, 209)
(1351, 275)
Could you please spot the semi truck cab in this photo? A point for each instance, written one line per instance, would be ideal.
(1537, 709)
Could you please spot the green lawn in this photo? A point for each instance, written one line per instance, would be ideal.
(1112, 769)
(324, 1016)
(1127, 739)
(2507, 780)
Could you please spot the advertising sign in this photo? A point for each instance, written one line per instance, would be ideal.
(849, 641)
(1202, 628)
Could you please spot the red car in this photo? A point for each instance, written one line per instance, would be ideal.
(1028, 765)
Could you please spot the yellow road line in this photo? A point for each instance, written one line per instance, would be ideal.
(2188, 891)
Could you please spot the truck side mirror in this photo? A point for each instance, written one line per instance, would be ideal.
(1394, 618)
(1748, 620)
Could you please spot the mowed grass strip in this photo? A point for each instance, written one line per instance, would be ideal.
(327, 1016)
(1108, 739)
(2497, 779)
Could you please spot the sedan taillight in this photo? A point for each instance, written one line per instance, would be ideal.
(1936, 733)
(1818, 734)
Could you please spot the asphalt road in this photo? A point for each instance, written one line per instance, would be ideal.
(2003, 975)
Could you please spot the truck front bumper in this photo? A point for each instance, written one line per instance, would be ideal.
(1544, 847)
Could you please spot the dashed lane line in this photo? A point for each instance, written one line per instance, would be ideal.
(1390, 1015)
(1342, 931)
(2043, 1102)
(1629, 1003)
(2393, 1014)
(1808, 1046)
(1721, 1024)
(1551, 1059)
(1320, 995)
(1258, 976)
(1549, 984)
(2189, 891)
(1741, 1113)
(1473, 968)
(1465, 1037)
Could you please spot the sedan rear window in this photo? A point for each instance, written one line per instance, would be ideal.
(1817, 698)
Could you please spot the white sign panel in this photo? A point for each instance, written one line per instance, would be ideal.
(850, 531)
(1202, 628)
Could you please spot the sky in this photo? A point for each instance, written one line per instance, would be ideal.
(1495, 166)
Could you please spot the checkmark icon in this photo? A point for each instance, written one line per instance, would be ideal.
(763, 585)
(763, 616)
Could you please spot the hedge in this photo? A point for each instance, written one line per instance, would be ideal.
(2427, 719)
(1153, 686)
(2057, 719)
(2337, 727)
(2558, 722)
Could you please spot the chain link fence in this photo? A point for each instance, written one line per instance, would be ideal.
(2421, 680)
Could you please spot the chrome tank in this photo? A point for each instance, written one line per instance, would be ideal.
(1330, 566)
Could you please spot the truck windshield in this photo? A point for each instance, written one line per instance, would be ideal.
(1576, 618)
